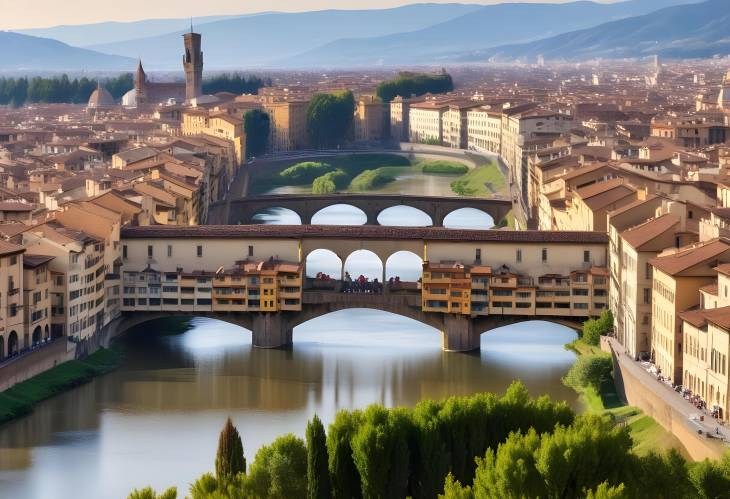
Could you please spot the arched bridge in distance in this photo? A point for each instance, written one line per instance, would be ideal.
(243, 210)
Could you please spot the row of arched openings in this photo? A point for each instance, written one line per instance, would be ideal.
(395, 216)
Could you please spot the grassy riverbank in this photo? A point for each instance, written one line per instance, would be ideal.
(22, 398)
(482, 181)
(601, 397)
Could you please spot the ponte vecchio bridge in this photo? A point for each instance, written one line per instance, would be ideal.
(243, 210)
(256, 276)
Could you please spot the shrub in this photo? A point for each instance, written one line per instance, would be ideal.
(305, 172)
(371, 179)
(593, 329)
(330, 182)
(590, 371)
(443, 167)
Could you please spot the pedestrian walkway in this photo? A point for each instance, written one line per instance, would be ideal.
(672, 398)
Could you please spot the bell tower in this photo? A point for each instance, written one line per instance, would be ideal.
(193, 64)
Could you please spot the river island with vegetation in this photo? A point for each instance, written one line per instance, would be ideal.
(371, 172)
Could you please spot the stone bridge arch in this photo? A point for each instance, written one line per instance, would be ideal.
(242, 210)
(275, 330)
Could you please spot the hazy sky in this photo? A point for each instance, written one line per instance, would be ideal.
(17, 14)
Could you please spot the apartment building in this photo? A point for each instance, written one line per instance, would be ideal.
(639, 245)
(78, 273)
(400, 109)
(425, 122)
(37, 297)
(677, 275)
(455, 124)
(13, 331)
(484, 129)
(589, 206)
(288, 124)
(706, 334)
(370, 119)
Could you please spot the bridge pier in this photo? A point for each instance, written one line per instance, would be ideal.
(270, 330)
(459, 334)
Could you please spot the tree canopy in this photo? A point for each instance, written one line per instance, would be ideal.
(407, 84)
(256, 124)
(329, 119)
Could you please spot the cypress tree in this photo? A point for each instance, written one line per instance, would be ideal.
(229, 460)
(318, 478)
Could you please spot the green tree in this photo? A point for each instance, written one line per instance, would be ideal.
(590, 371)
(279, 470)
(605, 491)
(256, 124)
(408, 84)
(149, 493)
(318, 477)
(229, 460)
(329, 118)
(710, 480)
(344, 475)
(381, 454)
(593, 329)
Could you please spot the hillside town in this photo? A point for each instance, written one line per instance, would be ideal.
(638, 152)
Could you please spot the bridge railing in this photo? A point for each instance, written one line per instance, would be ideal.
(340, 286)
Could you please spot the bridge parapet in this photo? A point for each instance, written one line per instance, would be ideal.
(243, 210)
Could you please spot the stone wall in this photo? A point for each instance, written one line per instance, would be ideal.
(646, 393)
(33, 363)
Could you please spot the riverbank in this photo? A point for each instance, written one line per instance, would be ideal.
(20, 400)
(646, 433)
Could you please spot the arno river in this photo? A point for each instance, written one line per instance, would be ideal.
(155, 421)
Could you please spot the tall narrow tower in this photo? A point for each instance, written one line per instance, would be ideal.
(193, 64)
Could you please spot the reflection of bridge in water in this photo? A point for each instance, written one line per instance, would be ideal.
(254, 276)
(243, 210)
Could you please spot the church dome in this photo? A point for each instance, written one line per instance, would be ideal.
(100, 98)
(130, 98)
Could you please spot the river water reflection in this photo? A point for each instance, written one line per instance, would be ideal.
(155, 420)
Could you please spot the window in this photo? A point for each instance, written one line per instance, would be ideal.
(169, 250)
(250, 251)
(124, 251)
(200, 251)
(518, 256)
(14, 260)
(544, 255)
(150, 251)
(478, 255)
(586, 256)
(647, 295)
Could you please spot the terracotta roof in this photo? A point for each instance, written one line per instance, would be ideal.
(723, 269)
(686, 259)
(603, 194)
(11, 206)
(710, 289)
(364, 232)
(718, 316)
(646, 232)
(694, 317)
(33, 261)
(7, 248)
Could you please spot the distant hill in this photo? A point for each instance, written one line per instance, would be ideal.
(259, 40)
(488, 26)
(23, 52)
(684, 31)
(82, 35)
